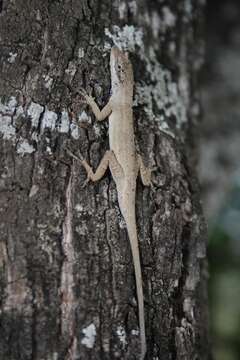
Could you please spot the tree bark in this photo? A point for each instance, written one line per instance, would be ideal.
(66, 272)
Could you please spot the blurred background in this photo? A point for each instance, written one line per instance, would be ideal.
(219, 172)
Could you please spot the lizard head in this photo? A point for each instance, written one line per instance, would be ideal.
(121, 69)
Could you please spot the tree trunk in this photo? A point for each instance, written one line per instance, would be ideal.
(67, 280)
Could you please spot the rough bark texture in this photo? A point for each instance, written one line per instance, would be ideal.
(66, 274)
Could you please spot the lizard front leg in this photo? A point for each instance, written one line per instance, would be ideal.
(99, 114)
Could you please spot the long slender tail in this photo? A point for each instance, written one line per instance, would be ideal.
(130, 219)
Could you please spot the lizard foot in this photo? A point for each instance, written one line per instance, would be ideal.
(88, 97)
(83, 92)
(79, 158)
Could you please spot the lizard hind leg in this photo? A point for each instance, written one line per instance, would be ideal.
(108, 160)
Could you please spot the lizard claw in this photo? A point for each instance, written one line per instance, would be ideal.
(88, 97)
(153, 169)
(79, 158)
(86, 166)
(83, 92)
(86, 182)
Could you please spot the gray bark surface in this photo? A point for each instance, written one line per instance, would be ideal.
(67, 287)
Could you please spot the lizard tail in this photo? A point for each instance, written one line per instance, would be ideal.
(132, 233)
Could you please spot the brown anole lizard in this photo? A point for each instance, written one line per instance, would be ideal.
(122, 159)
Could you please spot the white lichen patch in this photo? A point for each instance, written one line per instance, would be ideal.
(34, 190)
(48, 81)
(122, 223)
(74, 131)
(83, 117)
(81, 53)
(126, 38)
(6, 128)
(24, 147)
(65, 123)
(19, 111)
(163, 93)
(97, 130)
(49, 120)
(89, 336)
(134, 332)
(49, 150)
(8, 108)
(79, 208)
(121, 333)
(38, 115)
(34, 111)
(12, 57)
(38, 15)
(188, 307)
(176, 283)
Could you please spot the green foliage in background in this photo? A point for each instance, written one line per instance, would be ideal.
(224, 263)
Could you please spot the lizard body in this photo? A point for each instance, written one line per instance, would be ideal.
(122, 159)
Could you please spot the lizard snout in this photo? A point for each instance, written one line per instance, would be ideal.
(115, 51)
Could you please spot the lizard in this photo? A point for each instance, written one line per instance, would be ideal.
(122, 159)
